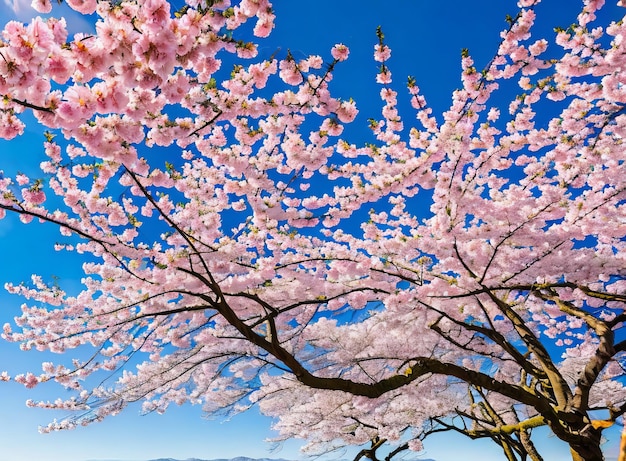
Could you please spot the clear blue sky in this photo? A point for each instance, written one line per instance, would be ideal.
(426, 37)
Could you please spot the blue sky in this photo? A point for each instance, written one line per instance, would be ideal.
(426, 38)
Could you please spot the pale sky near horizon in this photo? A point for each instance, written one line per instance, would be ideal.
(426, 38)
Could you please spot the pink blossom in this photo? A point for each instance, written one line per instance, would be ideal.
(340, 52)
(289, 72)
(353, 289)
(83, 6)
(35, 196)
(42, 6)
(29, 380)
(22, 179)
(347, 111)
(263, 27)
(384, 77)
(382, 53)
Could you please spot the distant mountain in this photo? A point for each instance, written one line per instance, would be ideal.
(238, 458)
(243, 458)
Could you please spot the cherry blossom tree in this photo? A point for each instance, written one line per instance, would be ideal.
(461, 271)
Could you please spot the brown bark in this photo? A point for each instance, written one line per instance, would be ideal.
(588, 449)
(529, 446)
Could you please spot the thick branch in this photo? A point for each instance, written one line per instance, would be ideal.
(604, 352)
(562, 393)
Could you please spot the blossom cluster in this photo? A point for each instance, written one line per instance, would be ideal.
(268, 258)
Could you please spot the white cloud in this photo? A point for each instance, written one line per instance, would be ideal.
(21, 10)
(18, 9)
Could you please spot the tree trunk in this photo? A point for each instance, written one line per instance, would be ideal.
(588, 449)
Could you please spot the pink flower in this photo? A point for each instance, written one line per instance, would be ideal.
(42, 6)
(289, 72)
(59, 67)
(263, 27)
(261, 72)
(34, 196)
(10, 126)
(156, 13)
(382, 53)
(58, 28)
(493, 115)
(29, 380)
(347, 111)
(22, 179)
(340, 52)
(538, 47)
(384, 76)
(83, 6)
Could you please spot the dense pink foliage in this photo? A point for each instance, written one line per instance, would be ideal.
(356, 292)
